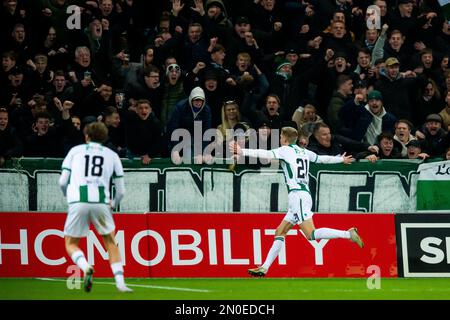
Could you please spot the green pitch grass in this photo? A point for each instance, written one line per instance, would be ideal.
(229, 289)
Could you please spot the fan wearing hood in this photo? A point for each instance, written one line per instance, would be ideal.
(216, 19)
(187, 113)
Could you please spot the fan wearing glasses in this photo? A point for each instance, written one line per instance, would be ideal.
(172, 91)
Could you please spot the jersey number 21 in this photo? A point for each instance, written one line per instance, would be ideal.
(302, 169)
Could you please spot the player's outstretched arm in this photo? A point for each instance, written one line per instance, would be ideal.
(235, 148)
(335, 159)
(255, 153)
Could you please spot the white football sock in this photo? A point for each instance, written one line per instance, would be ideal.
(273, 252)
(117, 270)
(79, 259)
(327, 233)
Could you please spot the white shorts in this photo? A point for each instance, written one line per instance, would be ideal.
(299, 207)
(80, 216)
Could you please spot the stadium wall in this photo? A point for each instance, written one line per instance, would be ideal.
(385, 186)
(199, 245)
(220, 240)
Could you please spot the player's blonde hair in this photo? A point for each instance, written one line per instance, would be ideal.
(290, 133)
(97, 132)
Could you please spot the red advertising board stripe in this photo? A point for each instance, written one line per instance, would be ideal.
(199, 245)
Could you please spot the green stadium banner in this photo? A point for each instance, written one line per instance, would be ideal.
(29, 184)
(433, 187)
(445, 6)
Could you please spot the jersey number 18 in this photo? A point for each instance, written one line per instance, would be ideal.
(96, 167)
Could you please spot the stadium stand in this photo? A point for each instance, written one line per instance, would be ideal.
(65, 62)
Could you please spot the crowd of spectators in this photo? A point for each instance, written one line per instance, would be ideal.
(149, 68)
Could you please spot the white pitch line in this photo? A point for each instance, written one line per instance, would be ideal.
(136, 285)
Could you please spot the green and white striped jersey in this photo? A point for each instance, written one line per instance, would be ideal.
(91, 167)
(295, 162)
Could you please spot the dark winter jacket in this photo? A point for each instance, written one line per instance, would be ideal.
(356, 120)
(339, 145)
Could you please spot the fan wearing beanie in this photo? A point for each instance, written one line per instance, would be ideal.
(366, 121)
